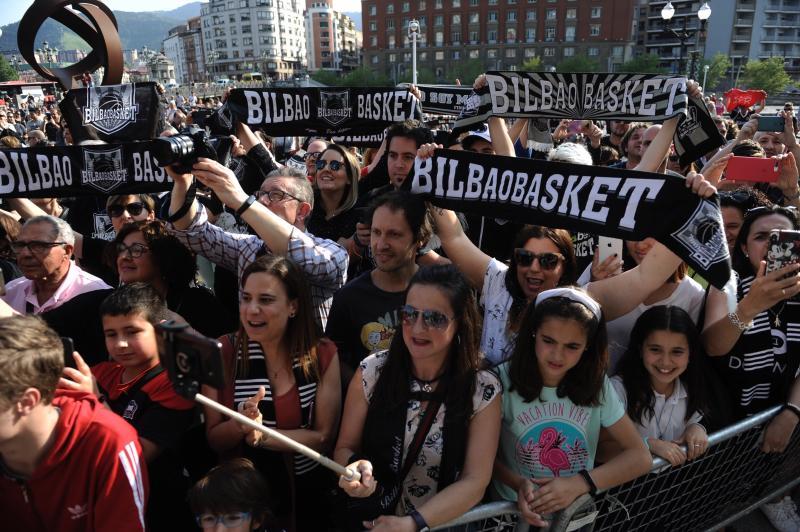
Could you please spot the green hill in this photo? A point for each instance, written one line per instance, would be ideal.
(136, 30)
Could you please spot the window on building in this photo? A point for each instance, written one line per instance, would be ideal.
(551, 14)
(492, 16)
(549, 52)
(492, 36)
(530, 14)
(474, 54)
(456, 54)
(569, 51)
(474, 18)
(511, 35)
(530, 52)
(511, 52)
(390, 24)
(455, 37)
(247, 41)
(572, 13)
(597, 12)
(439, 38)
(550, 34)
(373, 10)
(456, 3)
(373, 26)
(323, 24)
(438, 20)
(439, 56)
(438, 4)
(423, 56)
(473, 37)
(530, 34)
(511, 16)
(406, 7)
(569, 34)
(617, 51)
(456, 19)
(474, 3)
(593, 51)
(375, 59)
(392, 58)
(491, 53)
(594, 30)
(389, 9)
(391, 41)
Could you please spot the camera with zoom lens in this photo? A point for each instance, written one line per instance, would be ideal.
(182, 150)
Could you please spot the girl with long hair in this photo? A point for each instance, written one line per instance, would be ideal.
(421, 420)
(283, 374)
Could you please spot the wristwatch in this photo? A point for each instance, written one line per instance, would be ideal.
(422, 525)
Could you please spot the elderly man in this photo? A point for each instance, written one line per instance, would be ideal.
(43, 250)
(277, 212)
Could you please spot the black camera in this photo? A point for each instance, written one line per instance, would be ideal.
(182, 150)
(190, 359)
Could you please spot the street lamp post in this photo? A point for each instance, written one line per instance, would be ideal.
(705, 75)
(684, 35)
(413, 32)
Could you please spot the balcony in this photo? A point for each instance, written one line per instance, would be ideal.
(780, 23)
(781, 38)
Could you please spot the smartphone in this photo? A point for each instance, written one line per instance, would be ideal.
(607, 247)
(69, 348)
(190, 359)
(756, 169)
(784, 249)
(770, 123)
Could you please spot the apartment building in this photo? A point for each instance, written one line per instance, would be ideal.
(242, 36)
(332, 41)
(502, 34)
(184, 48)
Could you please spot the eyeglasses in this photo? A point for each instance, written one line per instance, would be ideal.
(134, 209)
(739, 197)
(431, 319)
(34, 246)
(674, 158)
(134, 251)
(209, 521)
(335, 166)
(311, 155)
(274, 196)
(547, 261)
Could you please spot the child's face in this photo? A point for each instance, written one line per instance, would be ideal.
(665, 355)
(560, 343)
(131, 341)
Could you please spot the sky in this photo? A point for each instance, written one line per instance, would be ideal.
(12, 11)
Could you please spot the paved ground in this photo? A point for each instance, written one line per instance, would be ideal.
(756, 522)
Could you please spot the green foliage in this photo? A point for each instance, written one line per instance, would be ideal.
(326, 77)
(643, 64)
(717, 69)
(534, 64)
(365, 77)
(578, 63)
(7, 72)
(466, 71)
(767, 75)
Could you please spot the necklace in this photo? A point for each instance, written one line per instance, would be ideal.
(426, 385)
(661, 415)
(777, 315)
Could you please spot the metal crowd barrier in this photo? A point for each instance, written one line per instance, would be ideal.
(730, 480)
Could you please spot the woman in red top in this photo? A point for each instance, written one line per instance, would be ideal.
(283, 375)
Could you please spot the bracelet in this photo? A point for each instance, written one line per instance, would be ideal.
(738, 323)
(246, 205)
(589, 482)
(419, 521)
(793, 408)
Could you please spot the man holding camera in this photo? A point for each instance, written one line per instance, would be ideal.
(277, 212)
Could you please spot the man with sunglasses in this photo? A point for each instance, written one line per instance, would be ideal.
(277, 212)
(313, 151)
(50, 278)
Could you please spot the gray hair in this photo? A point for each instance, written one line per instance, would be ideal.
(569, 152)
(61, 230)
(301, 186)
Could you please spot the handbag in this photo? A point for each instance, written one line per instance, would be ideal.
(349, 513)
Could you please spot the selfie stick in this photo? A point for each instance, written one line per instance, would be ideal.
(349, 474)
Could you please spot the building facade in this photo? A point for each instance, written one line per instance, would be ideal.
(502, 34)
(332, 41)
(652, 37)
(184, 47)
(241, 36)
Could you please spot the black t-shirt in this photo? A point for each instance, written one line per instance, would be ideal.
(343, 225)
(494, 236)
(363, 319)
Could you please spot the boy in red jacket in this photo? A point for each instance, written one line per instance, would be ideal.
(66, 462)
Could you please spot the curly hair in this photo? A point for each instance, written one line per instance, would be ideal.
(173, 261)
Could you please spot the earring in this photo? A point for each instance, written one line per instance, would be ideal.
(458, 339)
(291, 315)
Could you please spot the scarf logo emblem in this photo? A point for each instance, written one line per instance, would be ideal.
(334, 106)
(111, 108)
(103, 169)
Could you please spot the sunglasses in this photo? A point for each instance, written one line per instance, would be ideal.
(431, 319)
(311, 155)
(674, 158)
(547, 261)
(335, 166)
(134, 209)
(738, 197)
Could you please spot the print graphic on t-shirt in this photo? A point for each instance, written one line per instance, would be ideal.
(554, 443)
(102, 227)
(376, 336)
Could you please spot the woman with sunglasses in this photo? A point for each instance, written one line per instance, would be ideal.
(336, 193)
(428, 392)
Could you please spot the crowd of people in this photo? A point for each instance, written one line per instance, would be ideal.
(449, 358)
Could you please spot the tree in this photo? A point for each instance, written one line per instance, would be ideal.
(326, 77)
(578, 63)
(717, 69)
(7, 72)
(467, 71)
(364, 77)
(767, 75)
(643, 64)
(534, 64)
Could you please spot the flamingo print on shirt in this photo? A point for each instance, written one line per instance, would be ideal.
(550, 453)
